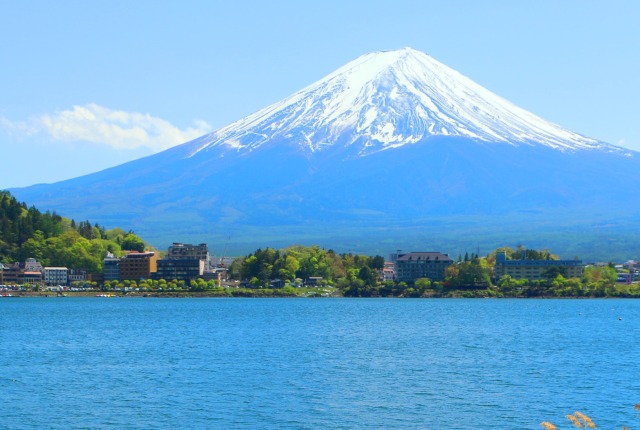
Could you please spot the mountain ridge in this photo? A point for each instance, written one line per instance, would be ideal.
(319, 164)
(438, 101)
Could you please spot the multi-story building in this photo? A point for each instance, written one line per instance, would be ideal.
(76, 275)
(184, 262)
(138, 265)
(415, 265)
(10, 274)
(31, 278)
(56, 276)
(31, 265)
(535, 269)
(181, 270)
(185, 251)
(111, 268)
(27, 272)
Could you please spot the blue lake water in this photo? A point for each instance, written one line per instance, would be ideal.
(317, 363)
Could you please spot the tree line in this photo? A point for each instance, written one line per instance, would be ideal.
(26, 232)
(471, 276)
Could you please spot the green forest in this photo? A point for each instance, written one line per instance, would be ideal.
(470, 276)
(26, 232)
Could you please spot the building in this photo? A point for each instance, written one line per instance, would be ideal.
(535, 269)
(415, 265)
(185, 262)
(30, 278)
(76, 275)
(625, 277)
(111, 268)
(56, 276)
(31, 265)
(97, 278)
(314, 280)
(185, 251)
(27, 272)
(181, 270)
(388, 272)
(10, 274)
(138, 265)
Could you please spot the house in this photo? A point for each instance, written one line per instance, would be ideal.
(388, 272)
(314, 280)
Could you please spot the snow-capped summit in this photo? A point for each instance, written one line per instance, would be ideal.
(393, 150)
(388, 99)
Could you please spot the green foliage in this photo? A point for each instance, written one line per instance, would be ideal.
(532, 254)
(131, 242)
(522, 253)
(356, 275)
(56, 241)
(553, 272)
(469, 274)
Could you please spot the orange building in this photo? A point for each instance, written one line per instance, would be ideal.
(138, 265)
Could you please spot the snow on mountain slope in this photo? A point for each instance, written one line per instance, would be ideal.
(388, 99)
(392, 148)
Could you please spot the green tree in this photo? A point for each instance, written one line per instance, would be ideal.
(131, 242)
(469, 274)
(286, 267)
(34, 247)
(369, 276)
(376, 262)
(553, 272)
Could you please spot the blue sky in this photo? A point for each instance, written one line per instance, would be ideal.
(89, 85)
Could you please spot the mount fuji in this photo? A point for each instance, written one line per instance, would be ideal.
(392, 150)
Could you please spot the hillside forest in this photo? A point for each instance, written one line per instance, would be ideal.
(26, 232)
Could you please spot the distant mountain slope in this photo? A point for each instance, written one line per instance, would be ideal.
(390, 144)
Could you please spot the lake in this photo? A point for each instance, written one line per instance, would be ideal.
(116, 363)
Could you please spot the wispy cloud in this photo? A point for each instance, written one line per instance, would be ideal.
(101, 125)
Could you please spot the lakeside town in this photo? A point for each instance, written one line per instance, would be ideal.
(313, 271)
(43, 253)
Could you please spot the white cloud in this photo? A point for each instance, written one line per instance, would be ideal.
(101, 125)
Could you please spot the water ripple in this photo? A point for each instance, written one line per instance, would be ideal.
(310, 364)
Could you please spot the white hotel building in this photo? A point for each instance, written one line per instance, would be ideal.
(56, 276)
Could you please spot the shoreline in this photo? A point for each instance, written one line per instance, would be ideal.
(261, 294)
